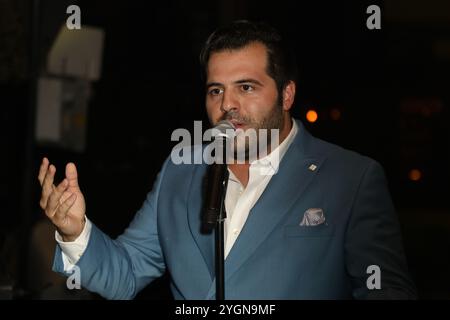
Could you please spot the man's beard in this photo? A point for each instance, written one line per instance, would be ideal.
(248, 145)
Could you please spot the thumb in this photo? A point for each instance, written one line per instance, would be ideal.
(72, 175)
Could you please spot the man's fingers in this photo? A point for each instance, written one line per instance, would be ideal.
(43, 170)
(54, 199)
(72, 175)
(48, 179)
(64, 208)
(47, 185)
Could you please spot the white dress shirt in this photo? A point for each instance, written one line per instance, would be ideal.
(72, 251)
(238, 202)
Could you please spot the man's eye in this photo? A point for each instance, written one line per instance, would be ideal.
(247, 87)
(215, 92)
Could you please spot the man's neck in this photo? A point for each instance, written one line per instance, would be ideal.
(241, 171)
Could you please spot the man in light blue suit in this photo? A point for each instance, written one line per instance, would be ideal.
(322, 226)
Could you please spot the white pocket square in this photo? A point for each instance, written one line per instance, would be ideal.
(313, 217)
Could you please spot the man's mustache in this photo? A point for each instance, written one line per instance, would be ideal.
(232, 116)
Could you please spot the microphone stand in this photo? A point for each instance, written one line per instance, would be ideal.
(219, 242)
(214, 217)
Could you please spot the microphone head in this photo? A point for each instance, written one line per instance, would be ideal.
(224, 129)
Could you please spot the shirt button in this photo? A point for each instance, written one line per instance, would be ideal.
(235, 232)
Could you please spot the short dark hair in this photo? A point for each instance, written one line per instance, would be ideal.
(281, 62)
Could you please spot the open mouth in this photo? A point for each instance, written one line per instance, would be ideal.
(237, 124)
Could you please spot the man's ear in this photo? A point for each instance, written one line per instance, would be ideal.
(288, 95)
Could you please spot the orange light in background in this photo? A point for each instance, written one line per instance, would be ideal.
(311, 116)
(335, 114)
(415, 175)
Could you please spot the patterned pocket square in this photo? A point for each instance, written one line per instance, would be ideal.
(313, 217)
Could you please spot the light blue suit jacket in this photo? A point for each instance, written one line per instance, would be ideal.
(274, 257)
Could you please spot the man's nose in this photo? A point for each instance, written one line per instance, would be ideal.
(229, 102)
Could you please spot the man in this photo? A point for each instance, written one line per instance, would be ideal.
(316, 229)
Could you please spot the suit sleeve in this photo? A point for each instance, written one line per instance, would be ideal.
(119, 269)
(373, 238)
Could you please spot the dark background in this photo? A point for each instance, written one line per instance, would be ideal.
(391, 87)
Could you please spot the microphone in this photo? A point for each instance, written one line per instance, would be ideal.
(217, 178)
(223, 130)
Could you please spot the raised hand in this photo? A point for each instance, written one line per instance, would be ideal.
(64, 204)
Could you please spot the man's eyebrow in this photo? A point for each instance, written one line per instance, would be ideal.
(254, 81)
(213, 84)
(218, 84)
